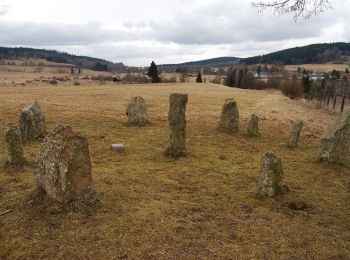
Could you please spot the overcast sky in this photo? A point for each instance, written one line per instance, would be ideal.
(166, 31)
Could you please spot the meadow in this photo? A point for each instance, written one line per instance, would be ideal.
(201, 206)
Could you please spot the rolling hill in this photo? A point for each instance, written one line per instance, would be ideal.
(221, 61)
(315, 53)
(61, 57)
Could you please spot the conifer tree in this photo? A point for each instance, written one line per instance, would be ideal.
(199, 78)
(153, 73)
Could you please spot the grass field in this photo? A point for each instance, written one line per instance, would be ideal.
(202, 206)
(328, 67)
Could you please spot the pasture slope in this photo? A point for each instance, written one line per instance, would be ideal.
(202, 206)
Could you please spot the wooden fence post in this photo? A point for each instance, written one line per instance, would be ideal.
(342, 104)
(328, 97)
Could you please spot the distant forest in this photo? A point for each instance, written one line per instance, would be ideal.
(221, 61)
(61, 57)
(315, 53)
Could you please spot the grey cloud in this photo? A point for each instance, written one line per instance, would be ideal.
(40, 34)
(224, 23)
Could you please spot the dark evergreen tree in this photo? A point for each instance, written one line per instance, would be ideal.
(346, 70)
(153, 73)
(231, 77)
(259, 70)
(307, 84)
(240, 77)
(199, 78)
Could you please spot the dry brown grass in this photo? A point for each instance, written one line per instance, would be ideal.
(202, 206)
(318, 67)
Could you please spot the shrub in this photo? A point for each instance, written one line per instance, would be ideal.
(292, 89)
(76, 83)
(274, 83)
(248, 81)
(217, 80)
(53, 82)
(135, 78)
(169, 80)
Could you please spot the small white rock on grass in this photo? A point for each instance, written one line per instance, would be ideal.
(118, 147)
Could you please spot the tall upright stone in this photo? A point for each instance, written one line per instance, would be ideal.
(137, 111)
(229, 120)
(271, 176)
(64, 168)
(335, 143)
(13, 147)
(177, 125)
(295, 134)
(32, 122)
(253, 126)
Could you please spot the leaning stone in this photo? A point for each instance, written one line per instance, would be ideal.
(335, 143)
(253, 126)
(64, 168)
(229, 120)
(32, 122)
(137, 112)
(13, 147)
(271, 176)
(295, 134)
(177, 125)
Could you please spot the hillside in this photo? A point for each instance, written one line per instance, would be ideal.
(221, 61)
(60, 57)
(314, 53)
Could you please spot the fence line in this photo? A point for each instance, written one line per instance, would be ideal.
(336, 93)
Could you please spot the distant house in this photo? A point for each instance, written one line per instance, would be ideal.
(277, 75)
(345, 76)
(261, 75)
(316, 76)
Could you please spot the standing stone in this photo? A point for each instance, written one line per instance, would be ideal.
(32, 122)
(177, 125)
(271, 174)
(335, 143)
(13, 146)
(64, 168)
(137, 111)
(253, 126)
(295, 134)
(229, 120)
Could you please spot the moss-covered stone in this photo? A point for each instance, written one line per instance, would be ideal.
(271, 176)
(295, 134)
(177, 125)
(335, 143)
(13, 147)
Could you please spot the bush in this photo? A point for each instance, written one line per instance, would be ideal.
(217, 80)
(135, 78)
(274, 83)
(53, 82)
(292, 89)
(169, 80)
(248, 81)
(76, 83)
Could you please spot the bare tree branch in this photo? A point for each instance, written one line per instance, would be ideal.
(299, 8)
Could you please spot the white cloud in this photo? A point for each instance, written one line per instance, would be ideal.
(3, 9)
(137, 31)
